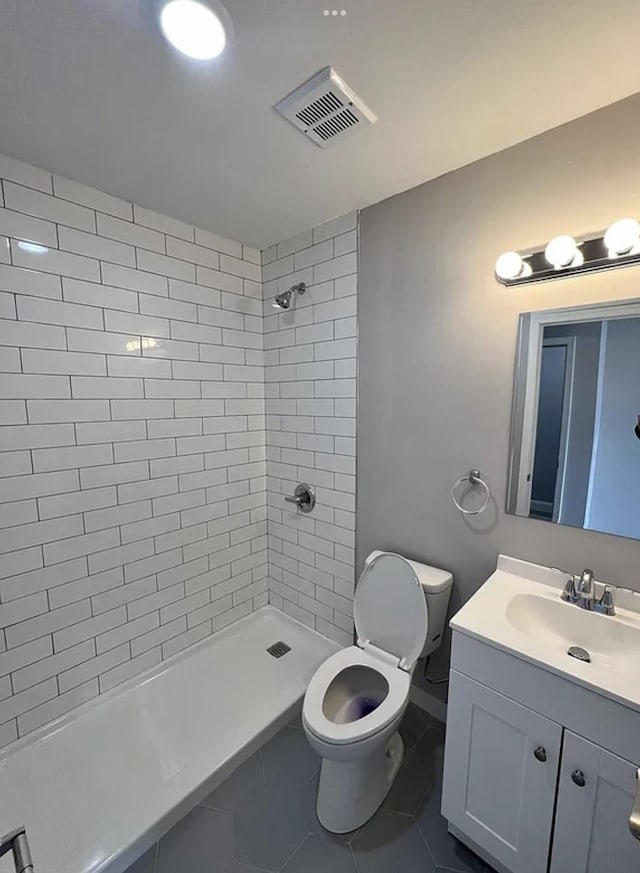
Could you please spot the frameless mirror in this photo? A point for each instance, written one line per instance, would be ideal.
(575, 436)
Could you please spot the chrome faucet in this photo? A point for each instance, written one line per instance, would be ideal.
(582, 594)
(585, 590)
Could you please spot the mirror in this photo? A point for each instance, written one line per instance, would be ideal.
(575, 436)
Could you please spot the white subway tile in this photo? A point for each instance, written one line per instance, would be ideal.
(89, 669)
(124, 322)
(76, 501)
(113, 474)
(115, 516)
(54, 261)
(194, 254)
(25, 174)
(92, 246)
(23, 584)
(218, 243)
(25, 227)
(92, 294)
(44, 713)
(44, 361)
(219, 280)
(163, 223)
(119, 555)
(127, 232)
(74, 547)
(22, 487)
(85, 630)
(134, 280)
(55, 312)
(51, 666)
(129, 669)
(15, 333)
(34, 436)
(45, 206)
(137, 450)
(7, 305)
(19, 281)
(93, 387)
(77, 193)
(166, 307)
(134, 409)
(165, 266)
(193, 293)
(15, 385)
(103, 342)
(14, 463)
(72, 457)
(43, 625)
(52, 411)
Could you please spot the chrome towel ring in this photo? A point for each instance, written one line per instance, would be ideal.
(474, 478)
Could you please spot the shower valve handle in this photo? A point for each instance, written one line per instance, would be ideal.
(304, 497)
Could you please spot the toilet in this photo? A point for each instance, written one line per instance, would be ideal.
(357, 697)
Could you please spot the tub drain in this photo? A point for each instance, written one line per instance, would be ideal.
(579, 653)
(279, 649)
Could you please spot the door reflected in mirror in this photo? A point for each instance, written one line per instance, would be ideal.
(575, 449)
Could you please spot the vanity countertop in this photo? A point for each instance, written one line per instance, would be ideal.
(519, 610)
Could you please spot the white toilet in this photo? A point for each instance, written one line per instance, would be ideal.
(357, 697)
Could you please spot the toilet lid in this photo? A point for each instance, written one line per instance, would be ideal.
(390, 608)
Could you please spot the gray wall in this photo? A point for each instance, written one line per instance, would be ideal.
(615, 497)
(437, 340)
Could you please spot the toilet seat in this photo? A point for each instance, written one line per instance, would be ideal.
(399, 682)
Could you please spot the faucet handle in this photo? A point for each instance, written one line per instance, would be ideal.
(585, 586)
(606, 603)
(569, 590)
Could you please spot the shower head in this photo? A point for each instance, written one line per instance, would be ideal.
(285, 298)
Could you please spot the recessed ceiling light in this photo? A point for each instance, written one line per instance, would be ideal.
(193, 28)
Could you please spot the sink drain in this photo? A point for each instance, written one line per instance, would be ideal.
(579, 653)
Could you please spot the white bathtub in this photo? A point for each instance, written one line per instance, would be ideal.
(100, 786)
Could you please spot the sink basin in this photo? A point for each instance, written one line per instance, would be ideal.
(555, 625)
(519, 609)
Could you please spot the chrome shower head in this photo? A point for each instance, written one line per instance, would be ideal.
(285, 298)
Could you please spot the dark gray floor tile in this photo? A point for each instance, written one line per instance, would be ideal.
(237, 867)
(446, 850)
(414, 723)
(391, 841)
(144, 864)
(430, 753)
(316, 855)
(308, 794)
(238, 785)
(410, 786)
(269, 825)
(202, 842)
(289, 760)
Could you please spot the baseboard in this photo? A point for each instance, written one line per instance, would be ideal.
(429, 703)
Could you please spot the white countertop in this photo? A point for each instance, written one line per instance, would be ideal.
(519, 610)
(99, 787)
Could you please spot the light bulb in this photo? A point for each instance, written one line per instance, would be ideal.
(193, 28)
(510, 266)
(563, 251)
(622, 237)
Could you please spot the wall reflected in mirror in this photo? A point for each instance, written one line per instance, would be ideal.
(575, 451)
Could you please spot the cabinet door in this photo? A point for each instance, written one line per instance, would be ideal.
(592, 819)
(500, 774)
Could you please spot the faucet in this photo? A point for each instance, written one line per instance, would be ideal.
(585, 590)
(582, 594)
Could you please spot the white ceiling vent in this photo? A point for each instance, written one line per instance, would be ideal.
(325, 108)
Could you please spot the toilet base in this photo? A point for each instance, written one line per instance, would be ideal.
(351, 792)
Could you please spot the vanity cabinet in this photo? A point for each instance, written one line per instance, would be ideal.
(524, 791)
(592, 818)
(501, 771)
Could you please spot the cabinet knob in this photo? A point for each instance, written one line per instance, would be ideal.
(540, 754)
(578, 779)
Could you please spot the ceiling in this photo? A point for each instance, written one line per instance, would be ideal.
(89, 89)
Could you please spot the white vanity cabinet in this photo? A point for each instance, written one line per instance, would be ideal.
(539, 772)
(500, 776)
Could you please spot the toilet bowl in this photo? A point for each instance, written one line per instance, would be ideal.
(356, 699)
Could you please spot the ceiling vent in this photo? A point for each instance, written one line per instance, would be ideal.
(325, 108)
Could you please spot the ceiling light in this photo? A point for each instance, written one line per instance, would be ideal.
(193, 28)
(562, 251)
(510, 266)
(623, 237)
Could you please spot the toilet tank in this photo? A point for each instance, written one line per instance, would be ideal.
(436, 585)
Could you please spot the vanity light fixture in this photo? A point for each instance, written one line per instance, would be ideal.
(565, 255)
(195, 27)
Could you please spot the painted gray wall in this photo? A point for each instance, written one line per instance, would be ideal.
(437, 338)
(615, 498)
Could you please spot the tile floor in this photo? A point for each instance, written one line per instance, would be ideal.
(263, 818)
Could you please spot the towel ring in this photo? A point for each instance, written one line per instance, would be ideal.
(473, 477)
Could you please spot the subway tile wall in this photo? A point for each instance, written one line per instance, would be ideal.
(310, 358)
(132, 446)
